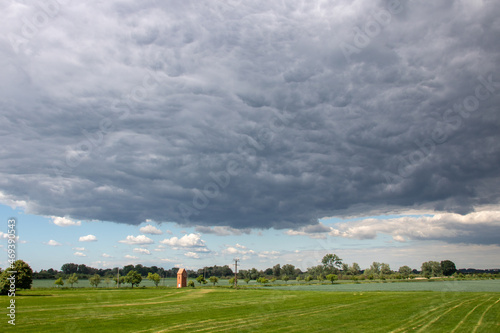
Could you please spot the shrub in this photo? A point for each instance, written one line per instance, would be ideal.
(262, 280)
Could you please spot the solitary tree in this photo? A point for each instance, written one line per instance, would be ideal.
(285, 278)
(288, 269)
(200, 279)
(431, 268)
(23, 277)
(375, 267)
(385, 269)
(72, 279)
(214, 280)
(331, 277)
(190, 283)
(133, 278)
(276, 270)
(448, 267)
(95, 280)
(405, 271)
(154, 277)
(59, 282)
(331, 262)
(354, 269)
(246, 280)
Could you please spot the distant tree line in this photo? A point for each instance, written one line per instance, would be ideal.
(332, 268)
(83, 271)
(330, 265)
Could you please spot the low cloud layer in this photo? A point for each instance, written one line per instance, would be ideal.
(222, 231)
(249, 114)
(474, 228)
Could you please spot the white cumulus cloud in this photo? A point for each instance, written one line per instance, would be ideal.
(167, 260)
(142, 251)
(64, 221)
(192, 255)
(186, 241)
(128, 256)
(152, 230)
(53, 243)
(238, 249)
(137, 240)
(88, 238)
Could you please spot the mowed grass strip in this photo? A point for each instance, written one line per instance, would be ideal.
(250, 310)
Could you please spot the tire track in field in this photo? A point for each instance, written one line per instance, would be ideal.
(84, 308)
(176, 293)
(285, 313)
(468, 314)
(328, 308)
(182, 298)
(423, 328)
(183, 326)
(291, 327)
(85, 305)
(422, 316)
(482, 316)
(225, 324)
(85, 315)
(324, 309)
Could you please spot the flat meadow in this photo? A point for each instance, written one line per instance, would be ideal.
(438, 306)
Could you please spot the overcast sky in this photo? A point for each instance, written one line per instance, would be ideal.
(248, 117)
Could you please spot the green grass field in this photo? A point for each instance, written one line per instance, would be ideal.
(253, 309)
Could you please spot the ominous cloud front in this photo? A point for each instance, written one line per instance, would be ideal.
(248, 114)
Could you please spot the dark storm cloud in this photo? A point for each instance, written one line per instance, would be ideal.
(248, 114)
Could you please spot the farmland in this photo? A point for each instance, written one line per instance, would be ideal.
(304, 308)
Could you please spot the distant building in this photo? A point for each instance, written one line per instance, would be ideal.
(181, 278)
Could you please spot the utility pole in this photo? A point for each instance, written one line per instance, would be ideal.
(236, 272)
